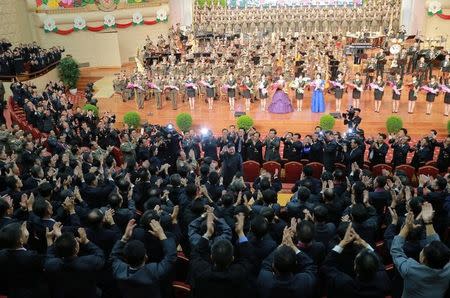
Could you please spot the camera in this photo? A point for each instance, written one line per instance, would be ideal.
(349, 115)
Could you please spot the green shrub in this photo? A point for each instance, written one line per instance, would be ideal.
(184, 121)
(448, 126)
(132, 119)
(69, 72)
(393, 124)
(89, 107)
(244, 122)
(327, 122)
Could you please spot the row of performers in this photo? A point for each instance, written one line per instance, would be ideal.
(248, 90)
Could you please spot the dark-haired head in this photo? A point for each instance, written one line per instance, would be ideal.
(366, 265)
(284, 260)
(222, 254)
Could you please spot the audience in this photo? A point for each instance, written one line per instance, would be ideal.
(90, 210)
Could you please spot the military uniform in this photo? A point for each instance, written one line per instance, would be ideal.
(173, 93)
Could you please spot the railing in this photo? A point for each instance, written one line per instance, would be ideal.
(28, 76)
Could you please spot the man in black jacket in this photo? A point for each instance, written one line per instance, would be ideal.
(378, 150)
(329, 152)
(401, 149)
(135, 277)
(216, 273)
(370, 281)
(73, 274)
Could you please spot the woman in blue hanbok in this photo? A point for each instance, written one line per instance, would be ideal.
(318, 101)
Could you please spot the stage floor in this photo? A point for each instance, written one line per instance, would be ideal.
(418, 124)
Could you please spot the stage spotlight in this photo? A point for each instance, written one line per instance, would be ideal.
(204, 131)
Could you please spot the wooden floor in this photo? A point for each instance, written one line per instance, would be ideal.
(418, 124)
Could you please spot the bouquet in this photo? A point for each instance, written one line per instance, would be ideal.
(394, 88)
(134, 86)
(190, 85)
(153, 86)
(429, 89)
(171, 87)
(337, 84)
(445, 88)
(375, 86)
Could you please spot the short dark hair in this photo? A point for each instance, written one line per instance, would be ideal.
(134, 253)
(284, 259)
(4, 206)
(437, 254)
(320, 213)
(269, 196)
(259, 226)
(359, 213)
(381, 181)
(115, 200)
(366, 265)
(10, 235)
(303, 193)
(65, 245)
(222, 253)
(305, 231)
(308, 171)
(40, 206)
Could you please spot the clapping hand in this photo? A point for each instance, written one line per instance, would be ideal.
(156, 230)
(129, 230)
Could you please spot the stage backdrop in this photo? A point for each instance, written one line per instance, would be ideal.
(249, 3)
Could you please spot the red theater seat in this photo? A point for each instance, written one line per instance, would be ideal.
(317, 169)
(292, 171)
(251, 170)
(271, 166)
(377, 169)
(181, 289)
(429, 171)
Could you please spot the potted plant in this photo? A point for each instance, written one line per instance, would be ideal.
(132, 119)
(184, 121)
(244, 122)
(448, 126)
(327, 122)
(89, 107)
(394, 124)
(69, 73)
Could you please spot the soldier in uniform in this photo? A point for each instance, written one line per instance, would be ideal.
(139, 92)
(402, 60)
(413, 53)
(397, 86)
(412, 95)
(445, 68)
(381, 60)
(422, 69)
(157, 85)
(173, 91)
(272, 143)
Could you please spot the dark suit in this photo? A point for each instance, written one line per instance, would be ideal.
(340, 284)
(329, 155)
(75, 277)
(300, 284)
(378, 155)
(254, 151)
(400, 154)
(143, 281)
(324, 232)
(21, 273)
(97, 196)
(209, 282)
(354, 155)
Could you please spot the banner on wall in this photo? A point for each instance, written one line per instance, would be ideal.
(103, 5)
(435, 9)
(109, 21)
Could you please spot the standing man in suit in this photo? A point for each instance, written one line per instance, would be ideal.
(355, 154)
(231, 163)
(329, 151)
(272, 143)
(401, 149)
(378, 150)
(254, 148)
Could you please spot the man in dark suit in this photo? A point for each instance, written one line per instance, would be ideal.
(217, 273)
(22, 269)
(378, 150)
(329, 152)
(272, 143)
(94, 194)
(254, 148)
(231, 163)
(355, 154)
(315, 250)
(74, 275)
(307, 178)
(287, 272)
(370, 281)
(325, 231)
(380, 197)
(134, 276)
(401, 149)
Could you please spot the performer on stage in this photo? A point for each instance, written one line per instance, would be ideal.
(156, 86)
(210, 91)
(445, 68)
(357, 86)
(318, 101)
(281, 104)
(231, 90)
(139, 92)
(378, 92)
(412, 95)
(422, 69)
(446, 89)
(263, 93)
(381, 61)
(397, 86)
(299, 88)
(191, 90)
(432, 91)
(173, 91)
(247, 91)
(338, 87)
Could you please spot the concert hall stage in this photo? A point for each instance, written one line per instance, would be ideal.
(418, 124)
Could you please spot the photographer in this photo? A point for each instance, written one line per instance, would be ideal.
(352, 118)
